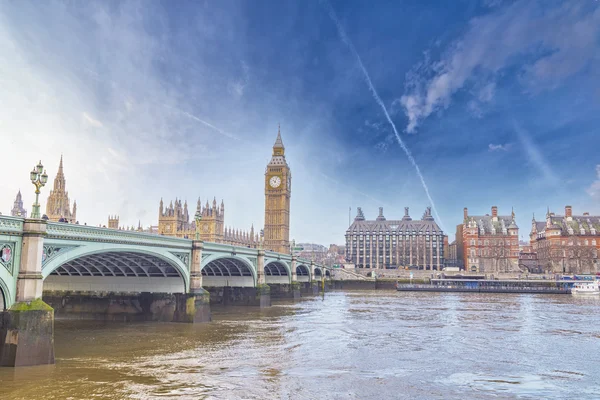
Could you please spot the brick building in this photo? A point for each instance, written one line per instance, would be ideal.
(488, 243)
(567, 243)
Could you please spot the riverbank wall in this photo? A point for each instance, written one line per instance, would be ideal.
(374, 284)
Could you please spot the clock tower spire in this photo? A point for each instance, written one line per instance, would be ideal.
(278, 190)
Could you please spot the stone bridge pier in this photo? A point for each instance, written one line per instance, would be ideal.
(27, 328)
(194, 306)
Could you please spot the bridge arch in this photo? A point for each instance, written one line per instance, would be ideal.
(5, 299)
(277, 271)
(318, 272)
(228, 270)
(104, 267)
(303, 273)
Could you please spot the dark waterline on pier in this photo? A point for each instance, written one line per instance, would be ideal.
(361, 345)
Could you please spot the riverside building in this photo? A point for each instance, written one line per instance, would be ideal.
(488, 243)
(567, 243)
(387, 244)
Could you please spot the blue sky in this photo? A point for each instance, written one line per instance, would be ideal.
(498, 103)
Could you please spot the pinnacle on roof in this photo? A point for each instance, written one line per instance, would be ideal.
(359, 215)
(60, 166)
(278, 141)
(406, 215)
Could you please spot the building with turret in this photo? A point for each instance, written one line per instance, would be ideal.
(113, 221)
(18, 210)
(567, 243)
(489, 243)
(58, 206)
(174, 220)
(403, 243)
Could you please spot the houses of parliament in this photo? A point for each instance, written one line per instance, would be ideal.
(174, 219)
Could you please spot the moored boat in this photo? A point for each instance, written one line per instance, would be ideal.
(586, 288)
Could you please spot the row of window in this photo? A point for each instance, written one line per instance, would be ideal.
(493, 242)
(393, 236)
(491, 253)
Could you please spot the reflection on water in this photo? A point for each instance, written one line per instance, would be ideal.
(358, 345)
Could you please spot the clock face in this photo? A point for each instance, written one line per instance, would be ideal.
(275, 181)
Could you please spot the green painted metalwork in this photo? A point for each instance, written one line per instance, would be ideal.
(64, 243)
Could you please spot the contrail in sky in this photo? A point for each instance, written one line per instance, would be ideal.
(187, 114)
(348, 43)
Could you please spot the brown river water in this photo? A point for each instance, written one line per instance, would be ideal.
(345, 345)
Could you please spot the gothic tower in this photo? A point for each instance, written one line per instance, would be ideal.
(278, 190)
(113, 221)
(58, 206)
(18, 210)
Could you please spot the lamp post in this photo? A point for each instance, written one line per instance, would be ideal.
(39, 178)
(262, 238)
(198, 218)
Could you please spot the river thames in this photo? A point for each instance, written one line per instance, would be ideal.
(347, 345)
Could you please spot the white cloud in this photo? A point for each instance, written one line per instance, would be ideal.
(91, 121)
(237, 86)
(499, 147)
(594, 189)
(561, 40)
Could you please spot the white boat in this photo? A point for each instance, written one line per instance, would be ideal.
(586, 288)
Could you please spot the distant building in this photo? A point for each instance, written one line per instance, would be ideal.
(490, 243)
(451, 259)
(528, 260)
(382, 244)
(113, 221)
(567, 243)
(334, 255)
(174, 220)
(18, 210)
(58, 206)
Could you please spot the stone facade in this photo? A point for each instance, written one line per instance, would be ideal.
(567, 243)
(58, 206)
(490, 243)
(401, 243)
(113, 221)
(174, 220)
(278, 191)
(18, 210)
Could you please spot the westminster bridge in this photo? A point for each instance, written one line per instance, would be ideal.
(102, 273)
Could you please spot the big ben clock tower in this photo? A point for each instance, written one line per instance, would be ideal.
(278, 190)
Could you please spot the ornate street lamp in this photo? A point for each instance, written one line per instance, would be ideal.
(198, 218)
(262, 238)
(39, 178)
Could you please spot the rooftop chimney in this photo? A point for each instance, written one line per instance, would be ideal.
(380, 217)
(465, 213)
(406, 216)
(568, 211)
(494, 211)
